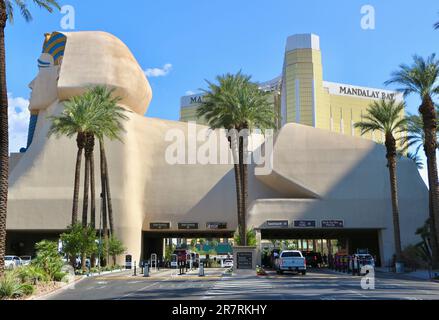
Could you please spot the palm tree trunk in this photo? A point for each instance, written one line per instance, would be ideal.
(234, 142)
(4, 143)
(244, 191)
(429, 118)
(92, 185)
(107, 189)
(80, 144)
(86, 187)
(391, 157)
(92, 193)
(103, 195)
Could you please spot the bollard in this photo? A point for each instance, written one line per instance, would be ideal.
(201, 270)
(146, 270)
(135, 270)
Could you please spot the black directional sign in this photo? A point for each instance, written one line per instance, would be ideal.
(332, 224)
(188, 226)
(245, 260)
(277, 223)
(160, 225)
(305, 223)
(216, 225)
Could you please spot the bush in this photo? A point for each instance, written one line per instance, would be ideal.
(79, 241)
(412, 256)
(48, 258)
(12, 288)
(59, 276)
(28, 289)
(251, 237)
(32, 274)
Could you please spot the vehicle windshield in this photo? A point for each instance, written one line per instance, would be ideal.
(8, 258)
(290, 254)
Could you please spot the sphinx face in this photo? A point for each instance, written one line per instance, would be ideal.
(45, 86)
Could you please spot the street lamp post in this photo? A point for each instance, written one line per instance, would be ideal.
(100, 233)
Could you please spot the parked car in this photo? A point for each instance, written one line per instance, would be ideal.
(291, 260)
(228, 263)
(313, 259)
(12, 262)
(26, 260)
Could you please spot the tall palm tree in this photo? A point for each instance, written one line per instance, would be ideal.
(110, 129)
(73, 121)
(7, 14)
(236, 103)
(385, 116)
(421, 78)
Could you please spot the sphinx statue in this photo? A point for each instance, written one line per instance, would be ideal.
(317, 175)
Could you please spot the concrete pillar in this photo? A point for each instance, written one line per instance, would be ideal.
(329, 245)
(164, 249)
(258, 247)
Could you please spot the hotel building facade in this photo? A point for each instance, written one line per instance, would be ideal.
(300, 95)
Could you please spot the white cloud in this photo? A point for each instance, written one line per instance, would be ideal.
(19, 115)
(190, 93)
(159, 72)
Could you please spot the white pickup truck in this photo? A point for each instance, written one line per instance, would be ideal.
(291, 260)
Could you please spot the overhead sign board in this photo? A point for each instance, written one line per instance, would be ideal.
(305, 223)
(160, 225)
(332, 224)
(277, 223)
(216, 225)
(188, 226)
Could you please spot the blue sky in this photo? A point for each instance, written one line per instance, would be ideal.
(194, 40)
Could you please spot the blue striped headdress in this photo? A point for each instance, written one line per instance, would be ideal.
(54, 46)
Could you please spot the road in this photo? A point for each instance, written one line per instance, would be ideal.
(316, 285)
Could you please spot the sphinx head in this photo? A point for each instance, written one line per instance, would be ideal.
(73, 62)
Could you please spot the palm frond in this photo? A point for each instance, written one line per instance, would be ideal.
(22, 6)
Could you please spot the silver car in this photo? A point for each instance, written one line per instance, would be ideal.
(12, 262)
(26, 260)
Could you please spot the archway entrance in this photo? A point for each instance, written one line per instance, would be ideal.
(214, 245)
(323, 241)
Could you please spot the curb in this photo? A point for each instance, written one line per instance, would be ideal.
(58, 290)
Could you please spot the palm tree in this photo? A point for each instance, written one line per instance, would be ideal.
(110, 129)
(421, 78)
(385, 116)
(75, 120)
(416, 159)
(236, 104)
(7, 14)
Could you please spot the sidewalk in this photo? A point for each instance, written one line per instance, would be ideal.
(419, 274)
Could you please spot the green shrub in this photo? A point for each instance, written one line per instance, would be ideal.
(32, 274)
(48, 258)
(28, 289)
(59, 276)
(11, 286)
